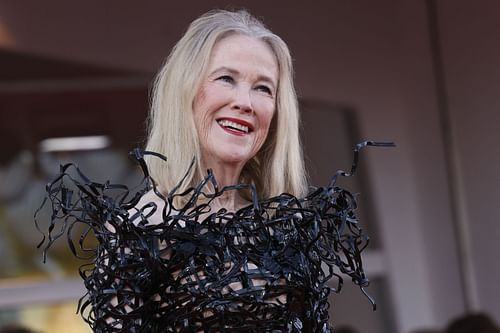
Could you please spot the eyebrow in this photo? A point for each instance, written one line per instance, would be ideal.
(235, 72)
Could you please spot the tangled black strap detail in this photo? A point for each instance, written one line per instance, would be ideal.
(263, 268)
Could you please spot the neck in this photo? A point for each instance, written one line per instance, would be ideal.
(226, 175)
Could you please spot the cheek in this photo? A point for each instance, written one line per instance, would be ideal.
(200, 113)
(267, 116)
(199, 101)
(208, 100)
(265, 121)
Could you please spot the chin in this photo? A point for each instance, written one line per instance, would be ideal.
(233, 154)
(236, 158)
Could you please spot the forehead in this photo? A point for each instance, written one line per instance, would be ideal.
(246, 54)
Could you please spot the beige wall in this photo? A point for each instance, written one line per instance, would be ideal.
(471, 45)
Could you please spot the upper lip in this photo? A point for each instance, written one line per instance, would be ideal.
(238, 121)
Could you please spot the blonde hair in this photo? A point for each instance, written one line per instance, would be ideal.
(278, 167)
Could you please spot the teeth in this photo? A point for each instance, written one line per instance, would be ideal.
(228, 123)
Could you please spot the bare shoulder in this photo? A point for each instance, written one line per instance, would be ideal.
(150, 206)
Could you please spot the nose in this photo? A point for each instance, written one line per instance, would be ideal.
(242, 100)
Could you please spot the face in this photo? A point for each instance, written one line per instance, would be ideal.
(236, 101)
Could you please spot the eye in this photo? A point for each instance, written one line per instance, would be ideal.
(264, 89)
(225, 78)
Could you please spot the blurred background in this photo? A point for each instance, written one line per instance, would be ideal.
(422, 73)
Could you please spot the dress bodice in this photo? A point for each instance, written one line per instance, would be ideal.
(268, 267)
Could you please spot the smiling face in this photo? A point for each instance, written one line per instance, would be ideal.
(236, 101)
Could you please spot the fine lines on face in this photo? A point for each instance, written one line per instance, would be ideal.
(235, 104)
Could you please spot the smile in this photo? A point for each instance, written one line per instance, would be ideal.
(235, 126)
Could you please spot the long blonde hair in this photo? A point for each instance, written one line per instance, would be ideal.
(278, 167)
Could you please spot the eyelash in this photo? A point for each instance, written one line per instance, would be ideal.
(229, 79)
(265, 89)
(226, 78)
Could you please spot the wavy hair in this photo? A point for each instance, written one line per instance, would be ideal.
(278, 166)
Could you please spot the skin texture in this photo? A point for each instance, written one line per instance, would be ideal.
(239, 86)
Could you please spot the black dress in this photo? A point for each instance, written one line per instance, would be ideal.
(264, 268)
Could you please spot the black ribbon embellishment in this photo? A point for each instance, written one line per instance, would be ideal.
(264, 268)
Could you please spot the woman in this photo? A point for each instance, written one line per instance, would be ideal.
(225, 96)
(231, 249)
(180, 125)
